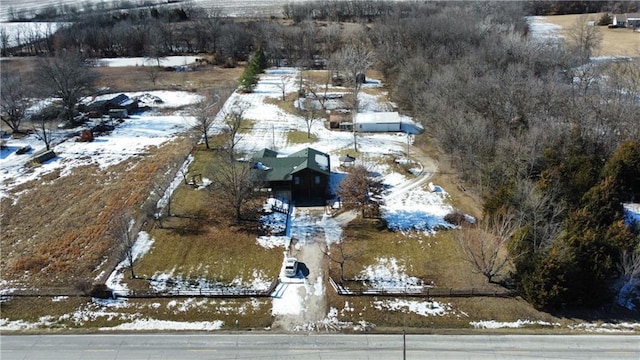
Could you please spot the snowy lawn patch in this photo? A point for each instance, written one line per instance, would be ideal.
(422, 308)
(417, 210)
(143, 61)
(388, 274)
(153, 324)
(632, 214)
(332, 323)
(492, 324)
(541, 29)
(288, 299)
(170, 282)
(128, 140)
(270, 242)
(624, 327)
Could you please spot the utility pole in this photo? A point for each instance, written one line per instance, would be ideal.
(404, 345)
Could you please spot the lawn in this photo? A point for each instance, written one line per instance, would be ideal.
(200, 241)
(615, 42)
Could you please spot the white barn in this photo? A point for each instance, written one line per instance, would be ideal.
(385, 122)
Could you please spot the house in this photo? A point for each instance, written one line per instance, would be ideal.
(385, 122)
(302, 177)
(631, 20)
(103, 107)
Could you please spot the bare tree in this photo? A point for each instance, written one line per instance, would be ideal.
(13, 100)
(485, 248)
(67, 77)
(43, 125)
(309, 113)
(331, 38)
(4, 41)
(282, 85)
(360, 191)
(339, 255)
(234, 120)
(319, 95)
(155, 50)
(352, 62)
(234, 183)
(204, 114)
(543, 212)
(153, 208)
(585, 36)
(629, 264)
(122, 229)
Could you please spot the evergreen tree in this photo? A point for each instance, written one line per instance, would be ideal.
(249, 78)
(259, 60)
(624, 170)
(251, 74)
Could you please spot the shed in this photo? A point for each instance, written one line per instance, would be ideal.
(118, 114)
(390, 121)
(121, 101)
(338, 117)
(378, 122)
(43, 156)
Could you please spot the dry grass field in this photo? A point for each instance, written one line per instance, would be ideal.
(138, 79)
(57, 233)
(615, 42)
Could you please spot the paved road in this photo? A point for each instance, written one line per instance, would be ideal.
(321, 346)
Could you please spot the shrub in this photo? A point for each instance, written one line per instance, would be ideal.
(84, 287)
(456, 218)
(605, 19)
(101, 291)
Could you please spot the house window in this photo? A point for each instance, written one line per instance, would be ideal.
(317, 180)
(296, 180)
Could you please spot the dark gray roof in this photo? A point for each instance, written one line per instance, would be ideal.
(282, 168)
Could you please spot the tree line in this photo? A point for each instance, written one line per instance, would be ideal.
(548, 138)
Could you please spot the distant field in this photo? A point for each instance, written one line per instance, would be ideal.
(615, 42)
(229, 7)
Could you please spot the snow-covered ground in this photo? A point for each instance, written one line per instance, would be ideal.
(128, 140)
(172, 61)
(542, 29)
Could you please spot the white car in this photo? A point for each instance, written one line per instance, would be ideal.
(290, 267)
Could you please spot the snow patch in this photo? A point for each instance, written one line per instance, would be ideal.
(492, 324)
(153, 324)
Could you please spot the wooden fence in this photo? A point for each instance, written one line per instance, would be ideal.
(220, 292)
(415, 291)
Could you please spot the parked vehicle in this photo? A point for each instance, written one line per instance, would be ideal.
(290, 267)
(23, 150)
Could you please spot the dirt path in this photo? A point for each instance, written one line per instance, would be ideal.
(429, 167)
